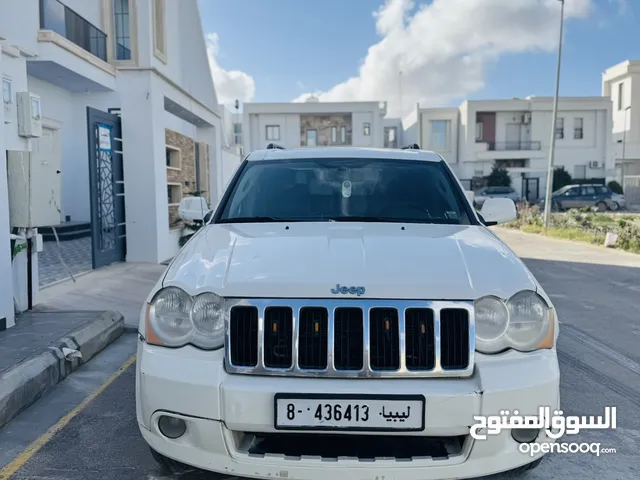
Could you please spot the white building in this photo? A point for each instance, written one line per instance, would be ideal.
(621, 83)
(153, 133)
(313, 123)
(517, 135)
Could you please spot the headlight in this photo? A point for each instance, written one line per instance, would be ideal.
(524, 323)
(175, 319)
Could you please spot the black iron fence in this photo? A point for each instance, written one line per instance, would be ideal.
(514, 146)
(56, 16)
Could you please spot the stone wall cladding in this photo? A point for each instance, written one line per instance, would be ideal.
(186, 175)
(323, 124)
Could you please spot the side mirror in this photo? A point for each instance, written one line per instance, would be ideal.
(193, 209)
(498, 210)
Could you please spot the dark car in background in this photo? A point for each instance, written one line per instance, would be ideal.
(595, 196)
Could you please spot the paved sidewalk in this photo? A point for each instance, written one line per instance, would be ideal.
(34, 353)
(121, 286)
(531, 245)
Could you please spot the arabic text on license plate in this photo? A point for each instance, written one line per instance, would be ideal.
(329, 412)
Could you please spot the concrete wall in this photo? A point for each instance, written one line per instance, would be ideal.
(450, 115)
(21, 24)
(15, 68)
(256, 116)
(6, 280)
(69, 110)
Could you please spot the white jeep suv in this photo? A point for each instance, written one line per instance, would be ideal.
(345, 314)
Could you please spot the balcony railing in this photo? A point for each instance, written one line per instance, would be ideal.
(514, 146)
(56, 16)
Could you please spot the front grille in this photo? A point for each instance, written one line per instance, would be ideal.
(421, 342)
(278, 347)
(384, 339)
(244, 332)
(350, 338)
(454, 352)
(312, 338)
(349, 347)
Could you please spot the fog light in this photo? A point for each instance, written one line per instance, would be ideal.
(525, 435)
(172, 427)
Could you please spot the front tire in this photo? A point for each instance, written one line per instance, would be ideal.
(615, 206)
(169, 465)
(527, 467)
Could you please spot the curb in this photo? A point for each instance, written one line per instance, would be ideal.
(27, 381)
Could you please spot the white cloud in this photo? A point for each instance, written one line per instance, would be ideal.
(230, 84)
(443, 48)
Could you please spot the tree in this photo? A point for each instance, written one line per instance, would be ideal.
(499, 177)
(615, 187)
(561, 178)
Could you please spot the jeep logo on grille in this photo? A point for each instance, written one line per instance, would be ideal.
(347, 290)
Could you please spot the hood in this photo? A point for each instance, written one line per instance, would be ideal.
(308, 260)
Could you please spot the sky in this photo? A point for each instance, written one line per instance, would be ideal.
(433, 52)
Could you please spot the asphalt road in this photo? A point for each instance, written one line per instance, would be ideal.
(596, 292)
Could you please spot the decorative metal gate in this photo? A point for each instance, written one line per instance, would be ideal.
(106, 182)
(531, 189)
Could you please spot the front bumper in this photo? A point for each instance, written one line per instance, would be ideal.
(219, 408)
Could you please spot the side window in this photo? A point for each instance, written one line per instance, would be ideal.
(603, 191)
(572, 192)
(588, 191)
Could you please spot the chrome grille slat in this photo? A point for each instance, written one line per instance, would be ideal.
(365, 305)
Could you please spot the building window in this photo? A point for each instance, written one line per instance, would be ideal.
(7, 93)
(560, 128)
(273, 132)
(367, 129)
(620, 95)
(159, 38)
(343, 134)
(578, 131)
(237, 133)
(479, 131)
(174, 193)
(439, 134)
(173, 157)
(121, 17)
(312, 138)
(334, 134)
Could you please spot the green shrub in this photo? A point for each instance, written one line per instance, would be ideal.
(561, 178)
(499, 177)
(615, 187)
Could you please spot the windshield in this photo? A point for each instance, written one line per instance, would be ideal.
(314, 190)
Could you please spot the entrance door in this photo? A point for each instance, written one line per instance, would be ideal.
(108, 230)
(513, 136)
(46, 155)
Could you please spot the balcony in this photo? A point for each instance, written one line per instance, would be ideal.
(72, 52)
(57, 17)
(508, 150)
(513, 146)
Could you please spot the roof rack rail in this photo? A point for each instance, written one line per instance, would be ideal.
(273, 146)
(413, 146)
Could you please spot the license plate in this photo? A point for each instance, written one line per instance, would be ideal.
(349, 412)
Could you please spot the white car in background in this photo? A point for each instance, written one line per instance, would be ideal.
(345, 314)
(495, 192)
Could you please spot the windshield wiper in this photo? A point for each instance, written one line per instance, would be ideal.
(256, 220)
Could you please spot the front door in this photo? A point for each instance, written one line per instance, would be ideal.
(108, 230)
(46, 157)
